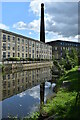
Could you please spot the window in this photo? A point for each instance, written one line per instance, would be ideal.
(13, 38)
(29, 43)
(8, 46)
(4, 46)
(33, 45)
(9, 76)
(29, 49)
(4, 38)
(4, 77)
(18, 40)
(38, 45)
(26, 55)
(29, 55)
(8, 54)
(26, 49)
(22, 41)
(26, 41)
(22, 48)
(37, 52)
(33, 56)
(8, 38)
(4, 54)
(13, 76)
(22, 55)
(32, 51)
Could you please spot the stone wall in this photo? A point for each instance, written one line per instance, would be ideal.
(24, 66)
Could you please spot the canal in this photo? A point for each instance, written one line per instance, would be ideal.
(24, 91)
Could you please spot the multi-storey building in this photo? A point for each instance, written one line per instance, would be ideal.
(59, 46)
(16, 45)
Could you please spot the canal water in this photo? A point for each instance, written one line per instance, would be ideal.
(23, 91)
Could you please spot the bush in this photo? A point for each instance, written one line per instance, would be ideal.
(13, 59)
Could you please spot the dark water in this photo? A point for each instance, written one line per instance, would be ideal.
(23, 92)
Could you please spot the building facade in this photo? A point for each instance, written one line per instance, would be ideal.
(59, 46)
(16, 45)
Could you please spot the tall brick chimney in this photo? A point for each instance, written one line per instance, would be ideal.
(42, 27)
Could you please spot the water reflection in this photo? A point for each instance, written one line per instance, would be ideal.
(23, 91)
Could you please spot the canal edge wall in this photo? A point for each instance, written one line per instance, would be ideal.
(25, 66)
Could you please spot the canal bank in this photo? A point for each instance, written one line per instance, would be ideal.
(66, 104)
(25, 65)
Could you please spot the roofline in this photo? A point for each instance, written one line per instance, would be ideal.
(16, 34)
(62, 41)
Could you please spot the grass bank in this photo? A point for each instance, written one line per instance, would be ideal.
(65, 105)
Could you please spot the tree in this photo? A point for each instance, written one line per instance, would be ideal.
(67, 63)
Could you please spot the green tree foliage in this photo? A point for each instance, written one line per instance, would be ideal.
(67, 62)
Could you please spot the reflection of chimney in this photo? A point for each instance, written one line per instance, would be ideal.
(42, 29)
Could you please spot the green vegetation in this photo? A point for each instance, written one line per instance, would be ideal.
(66, 104)
(24, 59)
(1, 66)
(69, 61)
(34, 116)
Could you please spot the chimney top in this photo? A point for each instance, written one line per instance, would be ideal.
(42, 4)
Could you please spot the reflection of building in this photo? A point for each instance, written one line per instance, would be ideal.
(0, 86)
(15, 83)
(59, 46)
(16, 45)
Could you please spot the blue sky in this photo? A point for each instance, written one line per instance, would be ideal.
(13, 12)
(61, 19)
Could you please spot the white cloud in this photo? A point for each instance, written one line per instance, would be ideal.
(3, 26)
(20, 25)
(35, 6)
(34, 25)
(61, 19)
(58, 25)
(42, 1)
(60, 37)
(30, 33)
(22, 94)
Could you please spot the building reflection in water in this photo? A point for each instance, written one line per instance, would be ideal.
(16, 83)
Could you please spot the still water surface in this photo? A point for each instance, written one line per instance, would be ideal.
(22, 91)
